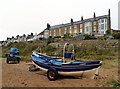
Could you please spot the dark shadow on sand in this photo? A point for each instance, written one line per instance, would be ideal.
(13, 62)
(60, 77)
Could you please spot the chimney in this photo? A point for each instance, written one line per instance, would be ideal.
(109, 12)
(71, 20)
(48, 26)
(109, 20)
(94, 15)
(7, 38)
(81, 18)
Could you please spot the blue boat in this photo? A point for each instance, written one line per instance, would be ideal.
(57, 66)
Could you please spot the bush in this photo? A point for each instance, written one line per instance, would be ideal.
(67, 35)
(9, 44)
(86, 49)
(108, 32)
(57, 37)
(116, 35)
(49, 48)
(30, 41)
(50, 40)
(88, 37)
(50, 36)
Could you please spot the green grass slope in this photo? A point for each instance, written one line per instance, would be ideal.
(88, 49)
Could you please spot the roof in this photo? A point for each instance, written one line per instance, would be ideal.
(30, 37)
(78, 22)
(41, 33)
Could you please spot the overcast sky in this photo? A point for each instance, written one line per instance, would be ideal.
(18, 17)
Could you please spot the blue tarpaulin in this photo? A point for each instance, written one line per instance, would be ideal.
(67, 55)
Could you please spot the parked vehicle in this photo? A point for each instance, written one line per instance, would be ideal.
(13, 55)
(58, 66)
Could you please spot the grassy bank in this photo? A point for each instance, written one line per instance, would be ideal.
(86, 49)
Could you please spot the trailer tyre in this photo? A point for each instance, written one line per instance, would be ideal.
(52, 74)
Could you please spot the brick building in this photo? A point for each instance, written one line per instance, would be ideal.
(96, 25)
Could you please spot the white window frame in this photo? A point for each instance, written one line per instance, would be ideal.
(46, 33)
(94, 28)
(94, 22)
(81, 25)
(81, 30)
(50, 32)
(75, 30)
(102, 33)
(88, 27)
(65, 28)
(102, 20)
(105, 20)
(59, 31)
(65, 31)
(75, 26)
(54, 32)
(70, 31)
(103, 26)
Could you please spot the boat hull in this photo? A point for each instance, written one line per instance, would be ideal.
(90, 73)
(84, 74)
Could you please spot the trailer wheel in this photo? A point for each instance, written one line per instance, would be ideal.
(52, 74)
(7, 60)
